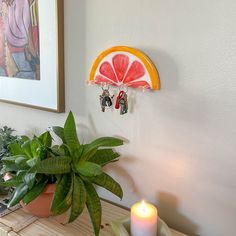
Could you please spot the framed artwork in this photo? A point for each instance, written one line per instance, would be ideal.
(32, 53)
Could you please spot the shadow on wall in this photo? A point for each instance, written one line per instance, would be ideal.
(174, 100)
(166, 67)
(75, 53)
(168, 210)
(123, 175)
(125, 179)
(88, 131)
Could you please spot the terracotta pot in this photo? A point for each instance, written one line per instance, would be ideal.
(40, 206)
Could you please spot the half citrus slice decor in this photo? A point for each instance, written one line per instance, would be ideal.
(125, 66)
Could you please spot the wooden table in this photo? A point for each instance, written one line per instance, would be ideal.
(20, 223)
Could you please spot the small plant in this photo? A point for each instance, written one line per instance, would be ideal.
(6, 138)
(73, 166)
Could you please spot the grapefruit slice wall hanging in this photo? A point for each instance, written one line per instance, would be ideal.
(125, 66)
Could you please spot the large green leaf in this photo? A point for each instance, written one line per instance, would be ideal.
(54, 165)
(57, 150)
(94, 207)
(88, 152)
(106, 142)
(76, 154)
(33, 162)
(10, 165)
(70, 132)
(18, 195)
(101, 142)
(88, 169)
(11, 183)
(35, 144)
(108, 183)
(21, 174)
(21, 159)
(78, 198)
(29, 179)
(66, 149)
(43, 152)
(21, 162)
(104, 156)
(59, 131)
(12, 158)
(27, 149)
(34, 192)
(24, 138)
(46, 139)
(65, 203)
(62, 190)
(16, 149)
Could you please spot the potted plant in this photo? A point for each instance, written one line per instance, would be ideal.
(73, 167)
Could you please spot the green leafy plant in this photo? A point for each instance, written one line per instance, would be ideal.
(75, 168)
(25, 157)
(6, 138)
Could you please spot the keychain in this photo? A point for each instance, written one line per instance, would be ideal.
(122, 102)
(105, 99)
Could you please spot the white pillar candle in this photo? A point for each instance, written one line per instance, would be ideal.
(143, 219)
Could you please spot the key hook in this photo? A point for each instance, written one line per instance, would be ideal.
(124, 88)
(105, 86)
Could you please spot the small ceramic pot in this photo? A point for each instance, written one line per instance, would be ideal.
(7, 176)
(40, 206)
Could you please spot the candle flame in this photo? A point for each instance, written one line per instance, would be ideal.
(143, 206)
(143, 203)
(144, 210)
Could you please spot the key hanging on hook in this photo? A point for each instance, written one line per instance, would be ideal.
(105, 98)
(122, 102)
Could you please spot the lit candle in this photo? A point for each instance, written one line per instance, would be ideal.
(143, 219)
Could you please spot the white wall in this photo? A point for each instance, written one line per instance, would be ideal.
(181, 150)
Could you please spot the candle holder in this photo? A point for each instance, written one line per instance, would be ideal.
(122, 227)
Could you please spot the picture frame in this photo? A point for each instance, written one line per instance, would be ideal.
(47, 92)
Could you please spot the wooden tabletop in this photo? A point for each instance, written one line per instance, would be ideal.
(20, 223)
